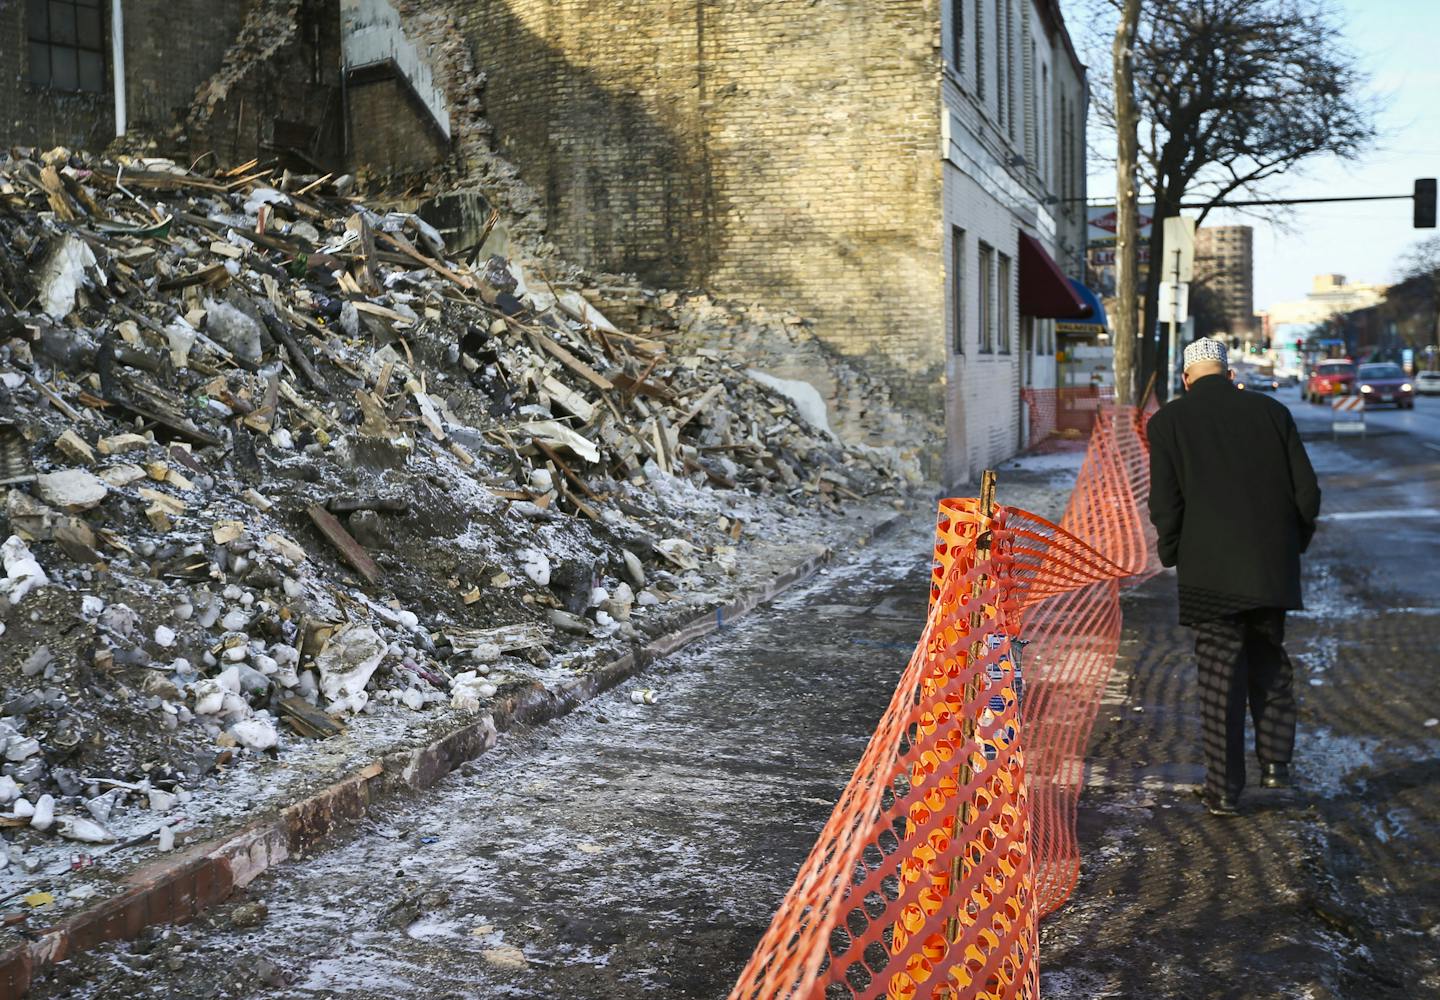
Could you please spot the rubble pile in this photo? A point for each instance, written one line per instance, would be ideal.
(271, 458)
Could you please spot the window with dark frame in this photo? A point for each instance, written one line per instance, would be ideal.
(957, 34)
(66, 45)
(980, 49)
(1010, 68)
(984, 257)
(1002, 303)
(957, 286)
(1000, 63)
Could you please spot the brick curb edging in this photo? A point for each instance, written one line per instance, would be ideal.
(179, 886)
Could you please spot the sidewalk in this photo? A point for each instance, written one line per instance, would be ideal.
(1329, 891)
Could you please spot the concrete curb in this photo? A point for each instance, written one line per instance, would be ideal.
(179, 886)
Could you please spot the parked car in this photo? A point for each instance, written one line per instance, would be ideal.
(1427, 383)
(1385, 383)
(1329, 378)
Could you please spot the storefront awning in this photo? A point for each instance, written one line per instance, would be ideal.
(1045, 292)
(1096, 322)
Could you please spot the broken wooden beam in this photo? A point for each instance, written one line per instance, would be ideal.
(573, 363)
(350, 550)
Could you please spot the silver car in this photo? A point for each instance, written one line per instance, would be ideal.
(1427, 383)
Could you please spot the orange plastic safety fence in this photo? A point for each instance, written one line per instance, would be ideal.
(956, 830)
(921, 880)
(1070, 624)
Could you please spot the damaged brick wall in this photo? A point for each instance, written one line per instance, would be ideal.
(37, 116)
(782, 151)
(277, 90)
(171, 48)
(389, 134)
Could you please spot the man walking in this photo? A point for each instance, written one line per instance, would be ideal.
(1234, 500)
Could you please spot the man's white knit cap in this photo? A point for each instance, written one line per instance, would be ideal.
(1206, 349)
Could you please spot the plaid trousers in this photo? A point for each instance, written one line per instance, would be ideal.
(1242, 659)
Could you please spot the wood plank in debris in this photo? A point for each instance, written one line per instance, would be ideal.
(55, 191)
(569, 473)
(556, 433)
(213, 275)
(307, 720)
(568, 398)
(403, 245)
(632, 386)
(704, 400)
(352, 551)
(573, 363)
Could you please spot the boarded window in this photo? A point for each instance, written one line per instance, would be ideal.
(66, 40)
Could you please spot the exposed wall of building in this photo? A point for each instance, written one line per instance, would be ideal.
(390, 130)
(775, 150)
(277, 89)
(171, 48)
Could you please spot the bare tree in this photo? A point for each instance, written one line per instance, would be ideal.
(1421, 261)
(1127, 207)
(1232, 94)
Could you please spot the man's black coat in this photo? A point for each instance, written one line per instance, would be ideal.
(1233, 498)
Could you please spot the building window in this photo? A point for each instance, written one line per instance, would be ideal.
(1046, 141)
(1000, 62)
(985, 258)
(957, 34)
(1030, 129)
(1002, 312)
(957, 286)
(980, 49)
(1010, 67)
(65, 45)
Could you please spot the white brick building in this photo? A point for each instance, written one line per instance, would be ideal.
(1013, 140)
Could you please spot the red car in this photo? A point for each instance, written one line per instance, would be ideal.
(1330, 378)
(1385, 383)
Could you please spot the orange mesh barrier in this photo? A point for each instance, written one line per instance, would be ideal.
(956, 831)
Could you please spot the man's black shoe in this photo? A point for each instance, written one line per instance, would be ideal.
(1275, 776)
(1217, 805)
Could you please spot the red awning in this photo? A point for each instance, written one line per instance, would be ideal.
(1045, 292)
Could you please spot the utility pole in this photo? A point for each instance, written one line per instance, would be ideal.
(1127, 206)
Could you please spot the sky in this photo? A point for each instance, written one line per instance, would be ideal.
(1397, 43)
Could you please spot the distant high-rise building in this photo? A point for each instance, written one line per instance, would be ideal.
(1225, 267)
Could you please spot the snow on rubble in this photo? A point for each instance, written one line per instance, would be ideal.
(282, 471)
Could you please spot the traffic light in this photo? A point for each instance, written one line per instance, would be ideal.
(1299, 347)
(1425, 203)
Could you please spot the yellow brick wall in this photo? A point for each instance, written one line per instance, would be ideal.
(782, 151)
